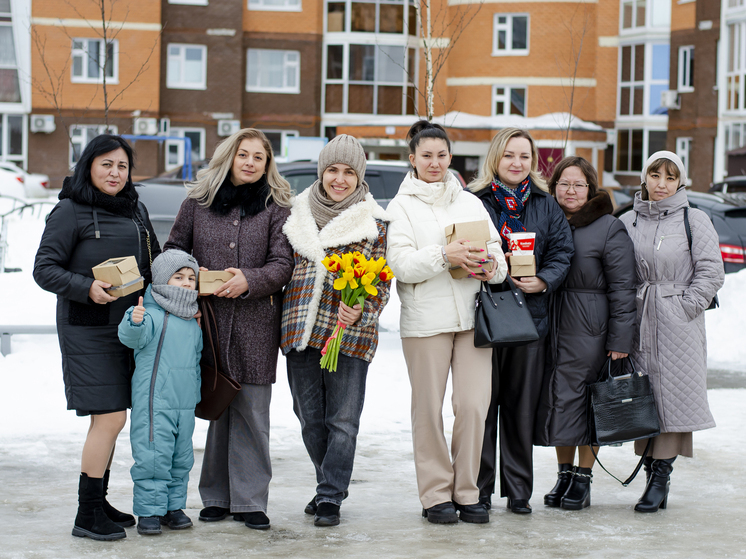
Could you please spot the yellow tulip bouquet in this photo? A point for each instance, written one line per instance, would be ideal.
(357, 278)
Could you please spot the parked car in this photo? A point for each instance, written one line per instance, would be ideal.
(163, 195)
(11, 184)
(728, 215)
(35, 185)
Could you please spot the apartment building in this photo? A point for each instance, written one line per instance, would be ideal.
(585, 77)
(731, 75)
(15, 90)
(88, 75)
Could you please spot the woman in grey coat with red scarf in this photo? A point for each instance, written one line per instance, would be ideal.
(592, 319)
(232, 220)
(678, 274)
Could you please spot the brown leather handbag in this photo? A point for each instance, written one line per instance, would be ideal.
(218, 389)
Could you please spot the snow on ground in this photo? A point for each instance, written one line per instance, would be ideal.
(40, 444)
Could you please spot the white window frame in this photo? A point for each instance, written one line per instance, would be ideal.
(189, 2)
(19, 159)
(739, 4)
(83, 139)
(82, 53)
(734, 78)
(345, 81)
(685, 80)
(181, 132)
(171, 84)
(646, 83)
(505, 97)
(646, 152)
(262, 6)
(284, 135)
(508, 28)
(287, 65)
(683, 150)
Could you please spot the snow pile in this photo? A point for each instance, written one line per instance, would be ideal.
(726, 346)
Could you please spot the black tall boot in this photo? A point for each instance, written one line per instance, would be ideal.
(578, 495)
(656, 491)
(91, 520)
(564, 477)
(646, 464)
(121, 518)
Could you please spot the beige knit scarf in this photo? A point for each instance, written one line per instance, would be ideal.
(324, 209)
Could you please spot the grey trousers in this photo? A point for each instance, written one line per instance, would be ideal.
(236, 470)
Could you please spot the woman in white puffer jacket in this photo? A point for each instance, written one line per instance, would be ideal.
(437, 324)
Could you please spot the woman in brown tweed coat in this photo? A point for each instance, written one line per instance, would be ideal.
(232, 220)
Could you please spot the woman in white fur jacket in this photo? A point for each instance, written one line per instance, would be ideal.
(336, 215)
(437, 324)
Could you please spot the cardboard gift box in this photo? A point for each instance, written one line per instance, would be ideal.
(210, 280)
(478, 233)
(123, 275)
(522, 265)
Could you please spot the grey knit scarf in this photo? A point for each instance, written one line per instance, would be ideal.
(324, 209)
(179, 301)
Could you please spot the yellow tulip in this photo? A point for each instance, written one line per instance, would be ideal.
(366, 281)
(375, 266)
(348, 278)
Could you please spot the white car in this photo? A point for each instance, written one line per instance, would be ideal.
(12, 184)
(35, 185)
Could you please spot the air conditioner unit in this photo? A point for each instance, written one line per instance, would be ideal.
(164, 127)
(43, 123)
(228, 127)
(146, 126)
(670, 99)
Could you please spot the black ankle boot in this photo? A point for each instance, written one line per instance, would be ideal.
(656, 491)
(91, 520)
(564, 477)
(578, 495)
(118, 517)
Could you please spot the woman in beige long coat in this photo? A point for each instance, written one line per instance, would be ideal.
(677, 280)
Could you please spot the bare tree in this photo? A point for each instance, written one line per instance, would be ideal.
(437, 49)
(52, 84)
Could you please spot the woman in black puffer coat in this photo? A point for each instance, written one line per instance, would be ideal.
(593, 317)
(98, 217)
(515, 195)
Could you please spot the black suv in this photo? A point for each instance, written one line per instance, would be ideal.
(728, 215)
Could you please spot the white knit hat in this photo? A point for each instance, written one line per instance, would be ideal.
(671, 156)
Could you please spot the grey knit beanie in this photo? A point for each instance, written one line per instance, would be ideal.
(167, 263)
(343, 149)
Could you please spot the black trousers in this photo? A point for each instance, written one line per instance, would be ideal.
(517, 377)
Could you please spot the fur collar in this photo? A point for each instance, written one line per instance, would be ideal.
(124, 203)
(253, 198)
(594, 208)
(353, 225)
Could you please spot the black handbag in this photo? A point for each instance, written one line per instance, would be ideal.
(622, 409)
(501, 318)
(218, 389)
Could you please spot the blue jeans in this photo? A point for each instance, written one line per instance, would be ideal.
(328, 406)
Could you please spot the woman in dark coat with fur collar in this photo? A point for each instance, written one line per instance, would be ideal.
(98, 217)
(593, 317)
(232, 220)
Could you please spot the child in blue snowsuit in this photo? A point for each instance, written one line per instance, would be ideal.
(165, 390)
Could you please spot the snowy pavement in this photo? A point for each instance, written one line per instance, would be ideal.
(40, 445)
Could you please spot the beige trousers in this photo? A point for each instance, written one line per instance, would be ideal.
(442, 477)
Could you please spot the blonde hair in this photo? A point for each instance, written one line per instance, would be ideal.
(495, 153)
(209, 180)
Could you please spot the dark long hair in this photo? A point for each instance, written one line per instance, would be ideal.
(81, 187)
(423, 129)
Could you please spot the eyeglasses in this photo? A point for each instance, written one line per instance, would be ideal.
(575, 186)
